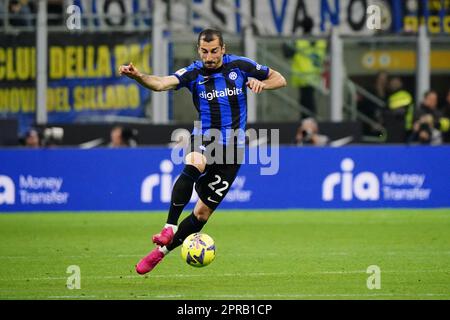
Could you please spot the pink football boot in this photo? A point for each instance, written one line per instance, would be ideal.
(149, 262)
(164, 237)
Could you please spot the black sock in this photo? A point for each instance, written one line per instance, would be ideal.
(188, 226)
(182, 192)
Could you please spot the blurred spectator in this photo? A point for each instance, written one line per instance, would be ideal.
(435, 118)
(440, 116)
(430, 106)
(308, 134)
(20, 14)
(32, 139)
(446, 107)
(398, 117)
(123, 137)
(308, 60)
(445, 122)
(48, 137)
(116, 137)
(381, 85)
(424, 132)
(53, 137)
(370, 108)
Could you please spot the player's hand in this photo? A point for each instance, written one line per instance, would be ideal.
(255, 85)
(129, 70)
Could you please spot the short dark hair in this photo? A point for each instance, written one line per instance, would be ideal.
(209, 35)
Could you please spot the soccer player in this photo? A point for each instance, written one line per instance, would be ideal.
(218, 83)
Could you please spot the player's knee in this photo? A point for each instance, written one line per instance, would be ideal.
(203, 213)
(202, 217)
(197, 160)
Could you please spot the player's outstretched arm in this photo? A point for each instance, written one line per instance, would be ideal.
(151, 82)
(274, 81)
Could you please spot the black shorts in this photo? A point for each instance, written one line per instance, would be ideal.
(216, 153)
(214, 184)
(223, 164)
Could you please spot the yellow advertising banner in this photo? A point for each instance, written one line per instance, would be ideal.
(403, 60)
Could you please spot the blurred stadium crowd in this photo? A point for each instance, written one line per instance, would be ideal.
(380, 95)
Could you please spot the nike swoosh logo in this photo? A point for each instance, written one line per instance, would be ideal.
(178, 205)
(204, 81)
(209, 198)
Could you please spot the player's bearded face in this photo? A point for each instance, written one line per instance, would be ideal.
(211, 53)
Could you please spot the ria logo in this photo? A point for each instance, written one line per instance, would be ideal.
(7, 190)
(364, 186)
(165, 181)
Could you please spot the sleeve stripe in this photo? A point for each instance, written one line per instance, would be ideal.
(186, 78)
(267, 73)
(179, 79)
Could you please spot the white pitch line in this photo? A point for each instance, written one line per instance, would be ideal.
(152, 276)
(44, 257)
(252, 296)
(265, 296)
(255, 274)
(70, 297)
(129, 256)
(246, 255)
(382, 271)
(73, 256)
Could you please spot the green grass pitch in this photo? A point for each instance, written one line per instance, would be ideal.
(289, 254)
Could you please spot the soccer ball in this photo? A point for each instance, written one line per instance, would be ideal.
(198, 250)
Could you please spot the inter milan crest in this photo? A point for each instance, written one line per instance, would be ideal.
(232, 76)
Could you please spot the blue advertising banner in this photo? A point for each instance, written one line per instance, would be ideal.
(142, 179)
(83, 79)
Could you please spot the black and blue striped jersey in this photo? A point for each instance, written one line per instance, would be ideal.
(220, 95)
